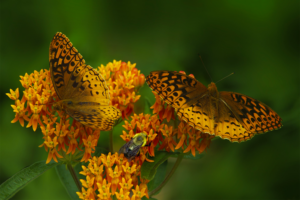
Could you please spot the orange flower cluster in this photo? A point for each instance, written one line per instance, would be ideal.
(110, 175)
(150, 125)
(189, 138)
(35, 106)
(162, 135)
(124, 81)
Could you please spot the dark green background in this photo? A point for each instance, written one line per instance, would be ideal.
(258, 40)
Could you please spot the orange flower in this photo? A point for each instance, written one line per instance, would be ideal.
(169, 113)
(53, 154)
(104, 186)
(88, 183)
(114, 174)
(13, 95)
(35, 117)
(127, 137)
(193, 141)
(143, 185)
(138, 193)
(128, 170)
(113, 181)
(20, 113)
(122, 195)
(104, 194)
(205, 142)
(168, 142)
(126, 186)
(158, 106)
(26, 81)
(85, 194)
(122, 84)
(36, 106)
(73, 134)
(90, 145)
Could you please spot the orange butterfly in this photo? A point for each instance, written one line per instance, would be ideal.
(229, 115)
(82, 91)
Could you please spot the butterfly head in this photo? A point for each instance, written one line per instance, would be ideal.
(212, 89)
(57, 106)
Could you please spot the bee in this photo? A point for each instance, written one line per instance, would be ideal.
(132, 148)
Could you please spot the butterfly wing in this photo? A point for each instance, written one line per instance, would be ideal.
(81, 89)
(94, 115)
(176, 89)
(71, 77)
(63, 59)
(254, 115)
(86, 85)
(236, 117)
(219, 121)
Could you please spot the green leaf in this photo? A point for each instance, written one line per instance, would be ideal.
(149, 168)
(18, 181)
(99, 151)
(189, 156)
(150, 198)
(159, 177)
(67, 180)
(147, 109)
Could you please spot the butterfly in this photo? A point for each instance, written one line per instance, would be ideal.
(229, 115)
(82, 91)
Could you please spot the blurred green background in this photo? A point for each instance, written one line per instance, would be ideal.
(258, 40)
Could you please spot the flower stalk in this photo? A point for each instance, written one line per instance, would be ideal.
(73, 174)
(111, 144)
(167, 178)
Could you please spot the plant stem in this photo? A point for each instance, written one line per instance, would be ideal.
(73, 174)
(178, 161)
(111, 147)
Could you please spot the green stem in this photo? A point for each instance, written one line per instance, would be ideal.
(178, 161)
(111, 147)
(73, 174)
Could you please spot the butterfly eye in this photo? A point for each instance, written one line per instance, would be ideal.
(69, 102)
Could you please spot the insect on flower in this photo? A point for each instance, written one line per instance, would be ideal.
(132, 148)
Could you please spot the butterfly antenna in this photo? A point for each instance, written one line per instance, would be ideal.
(224, 77)
(205, 67)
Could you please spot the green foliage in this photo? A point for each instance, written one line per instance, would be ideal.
(18, 181)
(149, 169)
(67, 180)
(159, 176)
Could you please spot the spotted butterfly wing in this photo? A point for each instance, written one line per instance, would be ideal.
(82, 91)
(229, 115)
(175, 89)
(98, 117)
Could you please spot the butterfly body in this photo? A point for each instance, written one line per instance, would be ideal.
(229, 115)
(82, 91)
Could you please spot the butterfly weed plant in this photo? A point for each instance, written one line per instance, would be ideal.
(72, 133)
